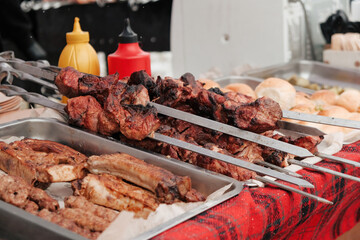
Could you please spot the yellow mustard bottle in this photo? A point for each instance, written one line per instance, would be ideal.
(78, 53)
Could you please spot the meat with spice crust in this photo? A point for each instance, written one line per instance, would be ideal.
(42, 161)
(164, 184)
(110, 191)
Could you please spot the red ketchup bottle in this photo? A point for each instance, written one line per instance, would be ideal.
(129, 57)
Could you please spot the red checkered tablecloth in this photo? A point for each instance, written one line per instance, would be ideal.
(272, 213)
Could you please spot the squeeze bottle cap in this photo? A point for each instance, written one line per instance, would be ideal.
(128, 35)
(77, 35)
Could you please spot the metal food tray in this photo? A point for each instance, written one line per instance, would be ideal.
(16, 223)
(315, 72)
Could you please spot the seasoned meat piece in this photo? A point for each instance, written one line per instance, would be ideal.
(141, 77)
(172, 92)
(136, 121)
(84, 218)
(308, 142)
(167, 186)
(107, 214)
(41, 160)
(110, 191)
(236, 97)
(107, 124)
(42, 199)
(87, 85)
(67, 81)
(84, 112)
(259, 116)
(16, 191)
(31, 207)
(133, 121)
(60, 220)
(122, 93)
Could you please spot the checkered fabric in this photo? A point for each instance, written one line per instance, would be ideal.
(272, 213)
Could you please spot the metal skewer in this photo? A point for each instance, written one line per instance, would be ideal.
(337, 159)
(320, 199)
(280, 169)
(322, 169)
(321, 119)
(231, 160)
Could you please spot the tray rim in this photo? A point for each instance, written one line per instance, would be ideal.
(238, 187)
(250, 73)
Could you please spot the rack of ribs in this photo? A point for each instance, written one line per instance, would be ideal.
(41, 161)
(112, 192)
(165, 185)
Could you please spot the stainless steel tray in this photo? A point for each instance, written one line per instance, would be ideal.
(16, 223)
(315, 72)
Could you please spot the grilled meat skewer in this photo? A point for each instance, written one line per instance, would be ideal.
(232, 108)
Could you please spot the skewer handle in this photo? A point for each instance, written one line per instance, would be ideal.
(322, 169)
(291, 189)
(338, 159)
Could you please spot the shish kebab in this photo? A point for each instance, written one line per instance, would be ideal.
(256, 122)
(40, 99)
(215, 123)
(235, 129)
(50, 72)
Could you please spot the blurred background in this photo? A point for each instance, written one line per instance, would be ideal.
(206, 37)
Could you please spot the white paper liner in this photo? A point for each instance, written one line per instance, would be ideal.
(125, 226)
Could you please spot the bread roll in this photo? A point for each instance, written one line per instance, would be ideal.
(208, 83)
(350, 99)
(324, 97)
(304, 108)
(242, 88)
(304, 99)
(279, 90)
(334, 111)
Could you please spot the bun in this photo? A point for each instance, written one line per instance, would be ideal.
(207, 83)
(304, 108)
(304, 99)
(350, 99)
(279, 90)
(242, 88)
(324, 97)
(334, 111)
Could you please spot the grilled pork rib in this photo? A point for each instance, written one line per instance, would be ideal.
(110, 191)
(41, 160)
(164, 184)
